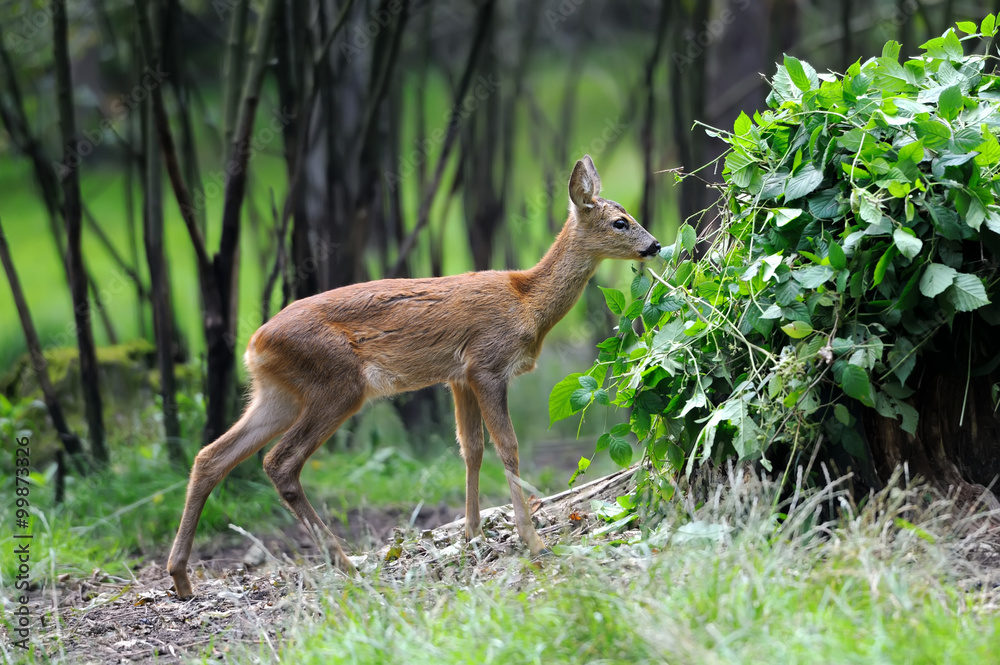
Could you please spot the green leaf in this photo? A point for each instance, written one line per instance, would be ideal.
(581, 398)
(621, 429)
(620, 451)
(967, 293)
(640, 285)
(559, 399)
(675, 455)
(743, 125)
(883, 265)
(950, 102)
(913, 151)
(902, 360)
(688, 238)
(615, 300)
(581, 468)
(842, 415)
(947, 47)
(971, 208)
(936, 278)
(588, 382)
(797, 329)
(812, 277)
(869, 212)
(838, 260)
(988, 26)
(855, 383)
(634, 310)
(797, 73)
(786, 292)
(934, 134)
(908, 244)
(968, 27)
(804, 182)
(683, 273)
(989, 150)
(899, 190)
(826, 204)
(782, 216)
(909, 416)
(603, 442)
(891, 50)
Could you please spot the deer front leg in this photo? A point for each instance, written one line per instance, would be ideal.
(492, 396)
(469, 422)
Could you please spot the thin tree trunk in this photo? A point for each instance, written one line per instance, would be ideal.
(648, 122)
(232, 69)
(70, 441)
(483, 22)
(163, 325)
(133, 242)
(220, 330)
(168, 21)
(211, 296)
(846, 46)
(72, 213)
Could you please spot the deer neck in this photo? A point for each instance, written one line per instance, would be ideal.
(555, 284)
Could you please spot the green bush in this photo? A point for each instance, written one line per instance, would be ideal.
(859, 219)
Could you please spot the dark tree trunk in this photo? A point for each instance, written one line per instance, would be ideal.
(484, 20)
(73, 216)
(687, 100)
(648, 122)
(957, 444)
(220, 325)
(163, 325)
(38, 363)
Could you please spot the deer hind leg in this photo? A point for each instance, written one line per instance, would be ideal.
(271, 411)
(284, 464)
(470, 437)
(492, 396)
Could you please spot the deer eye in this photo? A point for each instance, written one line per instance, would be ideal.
(620, 224)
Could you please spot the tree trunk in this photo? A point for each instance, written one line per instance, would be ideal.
(163, 325)
(69, 439)
(220, 324)
(957, 443)
(73, 216)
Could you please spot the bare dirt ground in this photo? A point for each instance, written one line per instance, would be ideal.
(242, 591)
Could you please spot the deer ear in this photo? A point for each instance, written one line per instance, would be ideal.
(584, 184)
(594, 176)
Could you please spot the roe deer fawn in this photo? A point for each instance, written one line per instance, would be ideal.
(318, 361)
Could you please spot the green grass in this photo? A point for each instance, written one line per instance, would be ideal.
(870, 589)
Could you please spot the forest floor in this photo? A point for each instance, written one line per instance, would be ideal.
(904, 578)
(243, 591)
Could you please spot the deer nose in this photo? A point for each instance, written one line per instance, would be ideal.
(653, 249)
